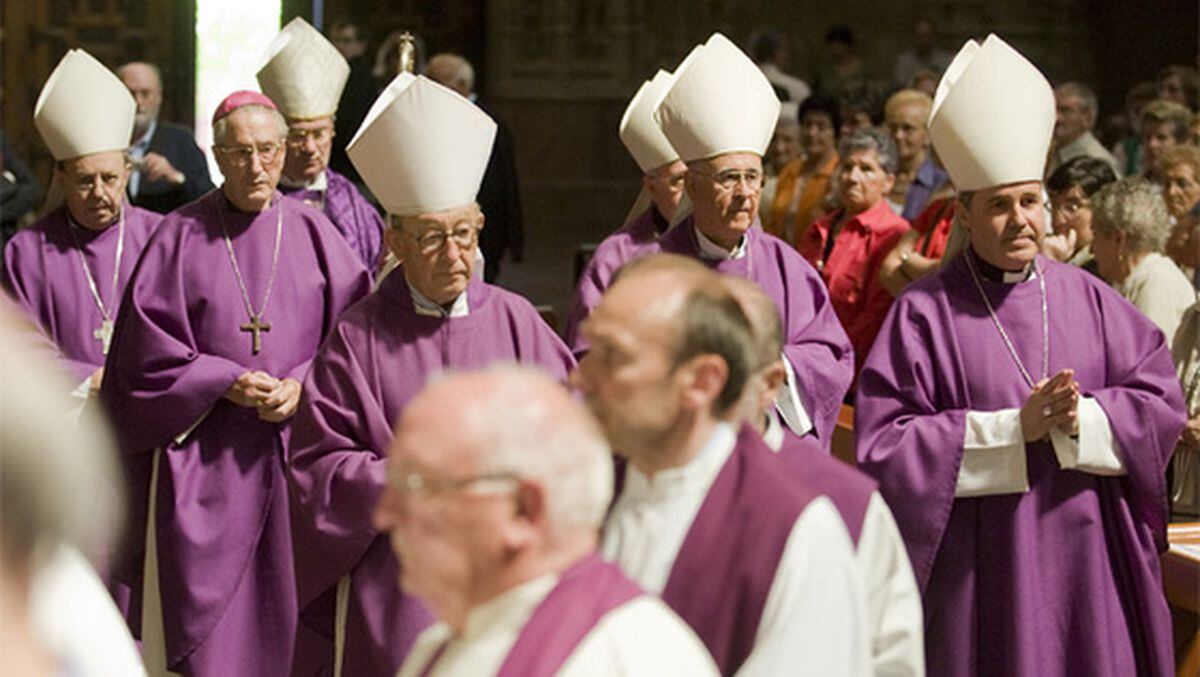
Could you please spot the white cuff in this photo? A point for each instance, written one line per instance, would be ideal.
(790, 406)
(993, 460)
(80, 399)
(1094, 450)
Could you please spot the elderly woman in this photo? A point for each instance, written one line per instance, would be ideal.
(907, 114)
(848, 246)
(1185, 486)
(1130, 227)
(1071, 188)
(803, 184)
(1163, 126)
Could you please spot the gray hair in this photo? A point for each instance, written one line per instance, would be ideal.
(872, 139)
(1135, 207)
(534, 429)
(1083, 92)
(221, 127)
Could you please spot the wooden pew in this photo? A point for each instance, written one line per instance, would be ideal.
(1181, 582)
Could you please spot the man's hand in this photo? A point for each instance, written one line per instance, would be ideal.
(1060, 247)
(281, 402)
(1053, 403)
(155, 167)
(95, 381)
(251, 389)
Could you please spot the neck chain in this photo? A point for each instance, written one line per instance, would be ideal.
(1012, 350)
(256, 325)
(104, 332)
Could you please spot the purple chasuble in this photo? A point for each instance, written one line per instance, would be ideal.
(849, 489)
(1063, 579)
(43, 274)
(633, 240)
(224, 551)
(358, 221)
(380, 355)
(814, 341)
(724, 570)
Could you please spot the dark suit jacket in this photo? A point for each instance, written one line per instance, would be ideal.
(500, 199)
(175, 143)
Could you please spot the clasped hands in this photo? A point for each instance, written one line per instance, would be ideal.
(1054, 403)
(275, 399)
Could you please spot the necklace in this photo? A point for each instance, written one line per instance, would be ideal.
(1012, 350)
(256, 325)
(104, 332)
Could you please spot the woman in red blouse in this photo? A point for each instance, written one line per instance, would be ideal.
(848, 246)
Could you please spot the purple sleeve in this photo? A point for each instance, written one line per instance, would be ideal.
(593, 282)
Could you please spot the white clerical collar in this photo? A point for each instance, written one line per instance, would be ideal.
(423, 306)
(509, 609)
(697, 476)
(715, 252)
(318, 184)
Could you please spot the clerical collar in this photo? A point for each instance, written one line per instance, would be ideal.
(423, 306)
(993, 274)
(715, 252)
(318, 184)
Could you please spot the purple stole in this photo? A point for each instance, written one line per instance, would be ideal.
(726, 565)
(849, 489)
(586, 593)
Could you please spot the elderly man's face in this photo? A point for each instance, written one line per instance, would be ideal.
(785, 144)
(143, 83)
(1157, 139)
(628, 376)
(1182, 188)
(1073, 118)
(817, 134)
(438, 250)
(94, 188)
(251, 158)
(1006, 223)
(444, 516)
(665, 185)
(907, 127)
(863, 181)
(309, 144)
(725, 192)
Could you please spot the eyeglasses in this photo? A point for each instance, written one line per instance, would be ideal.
(243, 155)
(298, 138)
(413, 482)
(432, 241)
(86, 184)
(729, 179)
(1069, 207)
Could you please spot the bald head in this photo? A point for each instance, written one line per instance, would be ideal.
(453, 71)
(144, 82)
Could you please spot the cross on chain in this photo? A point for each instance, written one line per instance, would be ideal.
(256, 326)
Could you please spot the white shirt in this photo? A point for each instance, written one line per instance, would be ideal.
(896, 617)
(640, 637)
(319, 184)
(814, 620)
(797, 89)
(1158, 288)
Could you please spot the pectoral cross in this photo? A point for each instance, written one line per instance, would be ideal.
(103, 334)
(256, 326)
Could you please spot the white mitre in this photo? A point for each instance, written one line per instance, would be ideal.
(640, 133)
(719, 103)
(993, 117)
(303, 73)
(422, 147)
(84, 108)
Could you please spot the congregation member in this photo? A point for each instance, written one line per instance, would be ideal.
(170, 169)
(922, 56)
(1131, 226)
(848, 246)
(1179, 84)
(769, 49)
(1164, 125)
(785, 145)
(802, 188)
(348, 35)
(1180, 170)
(304, 75)
(1071, 188)
(920, 250)
(1076, 111)
(894, 614)
(653, 211)
(422, 150)
(1128, 150)
(861, 106)
(1185, 464)
(497, 483)
(20, 191)
(702, 497)
(722, 141)
(918, 176)
(69, 270)
(1019, 415)
(218, 326)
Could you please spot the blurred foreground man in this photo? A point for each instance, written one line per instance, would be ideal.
(497, 484)
(1019, 416)
(222, 317)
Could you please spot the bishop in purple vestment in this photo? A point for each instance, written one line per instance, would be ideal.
(1019, 416)
(225, 310)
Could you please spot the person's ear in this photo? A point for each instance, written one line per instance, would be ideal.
(528, 522)
(394, 237)
(704, 377)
